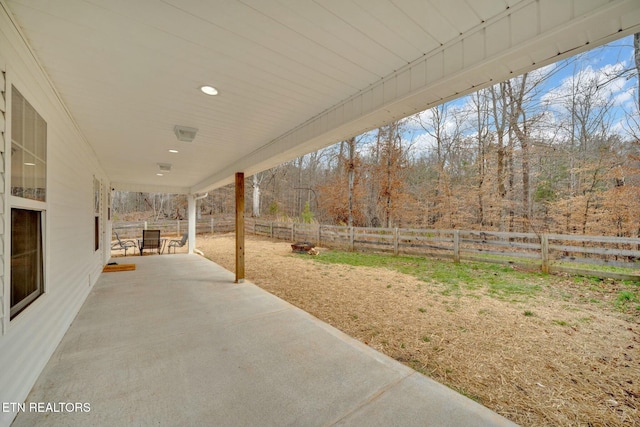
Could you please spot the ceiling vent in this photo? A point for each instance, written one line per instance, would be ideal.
(184, 133)
(164, 167)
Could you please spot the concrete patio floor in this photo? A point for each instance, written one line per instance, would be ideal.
(177, 343)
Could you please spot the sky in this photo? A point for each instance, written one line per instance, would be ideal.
(604, 64)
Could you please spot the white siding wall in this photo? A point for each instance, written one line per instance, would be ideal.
(3, 120)
(71, 264)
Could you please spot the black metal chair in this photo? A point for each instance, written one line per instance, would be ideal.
(120, 244)
(150, 240)
(178, 243)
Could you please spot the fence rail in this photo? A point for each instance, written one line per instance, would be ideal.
(133, 229)
(587, 255)
(548, 252)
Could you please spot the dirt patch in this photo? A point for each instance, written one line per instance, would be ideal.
(546, 361)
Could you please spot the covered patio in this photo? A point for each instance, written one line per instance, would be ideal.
(185, 96)
(176, 342)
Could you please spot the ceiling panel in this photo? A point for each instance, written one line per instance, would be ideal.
(311, 20)
(382, 30)
(400, 22)
(487, 9)
(430, 20)
(555, 12)
(457, 14)
(525, 24)
(261, 36)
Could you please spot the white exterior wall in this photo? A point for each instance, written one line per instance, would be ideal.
(71, 264)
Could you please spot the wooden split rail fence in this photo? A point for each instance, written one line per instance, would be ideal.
(133, 229)
(600, 256)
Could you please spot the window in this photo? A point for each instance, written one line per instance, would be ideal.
(28, 207)
(26, 258)
(96, 213)
(28, 150)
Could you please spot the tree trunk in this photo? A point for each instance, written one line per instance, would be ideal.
(511, 179)
(480, 104)
(296, 192)
(387, 203)
(636, 54)
(522, 133)
(351, 177)
(256, 196)
(499, 118)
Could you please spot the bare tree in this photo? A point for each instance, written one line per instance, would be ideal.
(351, 170)
(499, 108)
(444, 125)
(636, 56)
(479, 103)
(256, 181)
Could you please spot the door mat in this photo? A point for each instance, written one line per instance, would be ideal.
(119, 267)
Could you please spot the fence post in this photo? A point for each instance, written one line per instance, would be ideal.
(544, 248)
(293, 231)
(271, 230)
(352, 239)
(395, 242)
(211, 225)
(178, 227)
(456, 246)
(145, 225)
(319, 235)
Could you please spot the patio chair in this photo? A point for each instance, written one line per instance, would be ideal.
(120, 244)
(178, 243)
(150, 240)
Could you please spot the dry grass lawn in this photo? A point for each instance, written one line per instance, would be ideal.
(564, 356)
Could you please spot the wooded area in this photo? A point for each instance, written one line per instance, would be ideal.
(519, 156)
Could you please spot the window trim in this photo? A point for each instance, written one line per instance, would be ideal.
(19, 202)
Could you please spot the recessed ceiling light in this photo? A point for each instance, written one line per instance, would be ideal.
(160, 174)
(173, 151)
(29, 164)
(209, 90)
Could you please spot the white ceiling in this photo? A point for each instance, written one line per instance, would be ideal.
(293, 75)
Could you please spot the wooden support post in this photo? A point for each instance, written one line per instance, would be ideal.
(396, 243)
(293, 232)
(544, 246)
(456, 246)
(352, 239)
(239, 227)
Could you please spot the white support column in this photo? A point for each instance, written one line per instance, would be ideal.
(191, 204)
